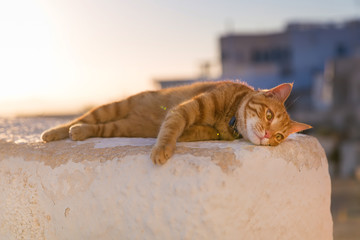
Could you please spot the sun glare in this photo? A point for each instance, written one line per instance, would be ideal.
(26, 58)
(25, 52)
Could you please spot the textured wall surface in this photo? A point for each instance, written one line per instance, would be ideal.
(109, 189)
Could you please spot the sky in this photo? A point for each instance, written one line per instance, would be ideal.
(59, 56)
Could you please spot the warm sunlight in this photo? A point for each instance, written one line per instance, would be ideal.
(27, 59)
(47, 67)
(29, 67)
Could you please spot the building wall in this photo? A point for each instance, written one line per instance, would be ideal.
(314, 47)
(250, 55)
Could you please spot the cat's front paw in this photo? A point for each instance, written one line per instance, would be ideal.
(160, 154)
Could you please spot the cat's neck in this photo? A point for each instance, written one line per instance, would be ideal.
(239, 102)
(241, 114)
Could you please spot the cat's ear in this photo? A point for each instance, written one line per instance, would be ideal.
(298, 127)
(281, 92)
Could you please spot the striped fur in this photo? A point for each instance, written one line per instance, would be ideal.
(197, 112)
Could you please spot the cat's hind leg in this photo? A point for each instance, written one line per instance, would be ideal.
(120, 128)
(104, 113)
(82, 131)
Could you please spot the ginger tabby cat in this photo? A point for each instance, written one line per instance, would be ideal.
(202, 111)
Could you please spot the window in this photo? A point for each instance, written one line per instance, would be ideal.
(256, 56)
(341, 50)
(275, 55)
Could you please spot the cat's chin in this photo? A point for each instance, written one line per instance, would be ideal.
(255, 139)
(264, 142)
(252, 137)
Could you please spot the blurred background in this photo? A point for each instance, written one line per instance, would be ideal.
(60, 58)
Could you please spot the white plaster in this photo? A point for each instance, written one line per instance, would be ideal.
(208, 190)
(116, 142)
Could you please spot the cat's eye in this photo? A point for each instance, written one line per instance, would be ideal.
(279, 137)
(269, 115)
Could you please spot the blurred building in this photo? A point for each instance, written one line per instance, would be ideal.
(298, 54)
(338, 93)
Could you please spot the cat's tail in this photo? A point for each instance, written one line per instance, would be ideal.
(102, 114)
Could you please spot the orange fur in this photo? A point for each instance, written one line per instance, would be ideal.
(201, 111)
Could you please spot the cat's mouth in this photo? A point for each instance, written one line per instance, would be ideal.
(260, 139)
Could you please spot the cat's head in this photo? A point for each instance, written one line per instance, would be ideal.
(263, 119)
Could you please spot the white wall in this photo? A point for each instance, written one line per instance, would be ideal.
(109, 189)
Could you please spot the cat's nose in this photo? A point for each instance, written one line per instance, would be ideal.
(267, 134)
